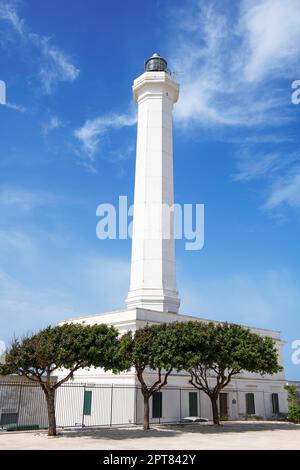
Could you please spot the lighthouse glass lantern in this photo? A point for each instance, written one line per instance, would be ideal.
(156, 64)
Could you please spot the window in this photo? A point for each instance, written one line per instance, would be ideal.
(250, 404)
(193, 404)
(275, 403)
(87, 402)
(157, 405)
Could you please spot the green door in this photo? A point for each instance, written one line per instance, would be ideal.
(193, 404)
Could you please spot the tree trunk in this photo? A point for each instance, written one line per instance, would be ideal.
(215, 410)
(50, 394)
(146, 413)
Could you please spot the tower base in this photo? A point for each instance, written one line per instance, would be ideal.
(161, 300)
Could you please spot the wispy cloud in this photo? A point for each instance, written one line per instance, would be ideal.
(231, 59)
(268, 139)
(8, 13)
(24, 199)
(225, 57)
(279, 171)
(94, 130)
(17, 107)
(285, 191)
(17, 240)
(251, 166)
(271, 38)
(54, 122)
(55, 66)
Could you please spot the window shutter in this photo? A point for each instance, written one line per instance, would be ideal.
(157, 405)
(193, 404)
(87, 402)
(275, 403)
(250, 404)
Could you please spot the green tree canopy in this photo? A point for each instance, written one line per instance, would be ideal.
(69, 347)
(152, 348)
(214, 352)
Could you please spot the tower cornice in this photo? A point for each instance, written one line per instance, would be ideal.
(155, 83)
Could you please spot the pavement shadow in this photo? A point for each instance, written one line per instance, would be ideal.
(173, 430)
(120, 433)
(233, 427)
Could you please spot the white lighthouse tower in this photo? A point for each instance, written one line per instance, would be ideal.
(153, 271)
(152, 297)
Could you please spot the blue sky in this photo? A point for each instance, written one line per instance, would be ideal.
(67, 143)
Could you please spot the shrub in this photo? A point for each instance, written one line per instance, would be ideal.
(292, 395)
(294, 414)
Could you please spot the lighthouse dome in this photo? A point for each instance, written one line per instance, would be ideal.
(156, 63)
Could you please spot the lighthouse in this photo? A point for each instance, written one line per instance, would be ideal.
(153, 270)
(153, 297)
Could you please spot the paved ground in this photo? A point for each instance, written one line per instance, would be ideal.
(238, 435)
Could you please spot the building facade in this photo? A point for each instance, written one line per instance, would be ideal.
(247, 394)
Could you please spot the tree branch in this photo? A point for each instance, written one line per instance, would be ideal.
(67, 377)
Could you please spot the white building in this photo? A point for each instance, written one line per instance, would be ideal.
(153, 296)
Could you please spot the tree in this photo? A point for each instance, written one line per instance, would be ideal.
(214, 353)
(293, 401)
(292, 395)
(152, 348)
(71, 347)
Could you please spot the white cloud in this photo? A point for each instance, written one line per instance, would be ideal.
(16, 240)
(280, 173)
(54, 122)
(93, 130)
(54, 65)
(255, 166)
(9, 14)
(285, 192)
(271, 37)
(17, 107)
(273, 165)
(224, 62)
(267, 139)
(24, 199)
